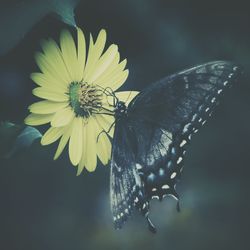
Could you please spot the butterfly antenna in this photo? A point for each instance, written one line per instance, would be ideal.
(109, 92)
(128, 96)
(113, 93)
(106, 90)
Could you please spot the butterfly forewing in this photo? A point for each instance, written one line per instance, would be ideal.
(172, 101)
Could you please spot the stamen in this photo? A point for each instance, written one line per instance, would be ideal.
(85, 99)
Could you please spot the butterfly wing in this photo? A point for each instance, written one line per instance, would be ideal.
(172, 101)
(165, 116)
(126, 189)
(150, 143)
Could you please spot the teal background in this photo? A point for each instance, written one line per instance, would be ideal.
(45, 206)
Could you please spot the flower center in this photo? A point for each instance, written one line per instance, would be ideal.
(85, 99)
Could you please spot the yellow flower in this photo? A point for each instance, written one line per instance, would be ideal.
(72, 82)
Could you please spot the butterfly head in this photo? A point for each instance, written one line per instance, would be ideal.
(120, 109)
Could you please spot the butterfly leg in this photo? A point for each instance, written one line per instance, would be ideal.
(106, 132)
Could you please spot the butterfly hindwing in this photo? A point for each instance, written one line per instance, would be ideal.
(159, 160)
(126, 189)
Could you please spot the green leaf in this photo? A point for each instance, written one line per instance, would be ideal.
(15, 138)
(65, 10)
(30, 12)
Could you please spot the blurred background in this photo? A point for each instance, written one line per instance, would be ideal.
(45, 206)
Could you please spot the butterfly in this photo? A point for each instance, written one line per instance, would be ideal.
(152, 133)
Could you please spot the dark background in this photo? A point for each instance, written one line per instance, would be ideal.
(45, 206)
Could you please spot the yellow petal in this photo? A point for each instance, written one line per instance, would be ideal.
(81, 46)
(104, 148)
(62, 117)
(54, 56)
(63, 141)
(51, 135)
(50, 95)
(95, 51)
(115, 81)
(120, 67)
(117, 70)
(82, 162)
(105, 122)
(91, 159)
(48, 82)
(89, 57)
(126, 96)
(111, 68)
(103, 63)
(47, 107)
(35, 119)
(48, 68)
(75, 141)
(69, 55)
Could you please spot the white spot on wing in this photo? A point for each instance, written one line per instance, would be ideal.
(165, 186)
(183, 143)
(194, 117)
(185, 129)
(155, 197)
(179, 160)
(138, 166)
(173, 196)
(173, 175)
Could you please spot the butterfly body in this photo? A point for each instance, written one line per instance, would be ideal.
(153, 131)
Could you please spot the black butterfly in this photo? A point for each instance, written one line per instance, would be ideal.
(152, 133)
